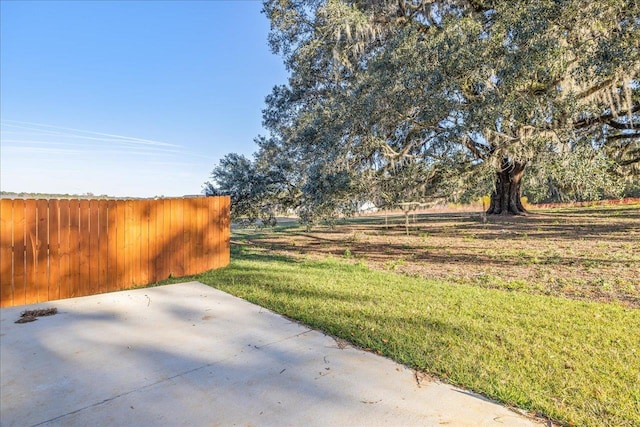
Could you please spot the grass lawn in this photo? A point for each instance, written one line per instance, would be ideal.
(560, 355)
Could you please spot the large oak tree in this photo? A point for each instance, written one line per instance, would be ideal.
(417, 99)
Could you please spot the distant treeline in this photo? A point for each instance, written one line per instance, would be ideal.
(25, 195)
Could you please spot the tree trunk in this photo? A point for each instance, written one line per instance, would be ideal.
(505, 199)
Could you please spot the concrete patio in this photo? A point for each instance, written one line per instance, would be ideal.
(190, 355)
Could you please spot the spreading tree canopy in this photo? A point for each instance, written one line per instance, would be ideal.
(409, 100)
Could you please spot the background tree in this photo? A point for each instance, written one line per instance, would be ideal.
(253, 192)
(414, 99)
(458, 85)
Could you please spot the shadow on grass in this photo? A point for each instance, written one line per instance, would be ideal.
(456, 331)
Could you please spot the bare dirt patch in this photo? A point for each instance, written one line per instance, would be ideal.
(581, 253)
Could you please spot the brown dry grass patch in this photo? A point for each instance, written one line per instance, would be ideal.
(579, 253)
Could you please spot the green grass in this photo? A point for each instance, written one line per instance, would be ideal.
(572, 361)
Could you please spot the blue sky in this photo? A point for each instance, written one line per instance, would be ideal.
(129, 98)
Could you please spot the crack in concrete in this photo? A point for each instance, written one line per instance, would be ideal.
(283, 339)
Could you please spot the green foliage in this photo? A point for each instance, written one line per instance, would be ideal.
(251, 189)
(577, 175)
(417, 100)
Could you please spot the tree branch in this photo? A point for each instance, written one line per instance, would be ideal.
(594, 89)
(604, 118)
(623, 136)
(624, 126)
(630, 161)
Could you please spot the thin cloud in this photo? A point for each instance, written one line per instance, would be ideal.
(37, 134)
(103, 163)
(41, 139)
(41, 150)
(37, 127)
(22, 142)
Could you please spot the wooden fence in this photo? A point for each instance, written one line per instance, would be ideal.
(54, 249)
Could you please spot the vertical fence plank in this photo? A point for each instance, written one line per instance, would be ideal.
(225, 225)
(210, 232)
(196, 240)
(153, 240)
(144, 241)
(103, 245)
(170, 225)
(6, 252)
(187, 235)
(199, 227)
(85, 248)
(158, 254)
(207, 252)
(217, 235)
(167, 268)
(19, 253)
(212, 236)
(65, 249)
(54, 250)
(128, 245)
(138, 224)
(170, 250)
(179, 235)
(219, 232)
(112, 236)
(133, 236)
(31, 220)
(93, 261)
(121, 246)
(128, 212)
(42, 250)
(206, 249)
(74, 248)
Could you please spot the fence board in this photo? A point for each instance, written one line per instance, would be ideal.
(158, 257)
(153, 239)
(140, 224)
(19, 253)
(214, 232)
(85, 248)
(42, 250)
(144, 242)
(219, 242)
(103, 245)
(166, 241)
(54, 250)
(187, 206)
(94, 251)
(134, 243)
(121, 243)
(30, 214)
(198, 244)
(206, 250)
(74, 248)
(6, 257)
(112, 251)
(224, 213)
(128, 245)
(177, 218)
(65, 254)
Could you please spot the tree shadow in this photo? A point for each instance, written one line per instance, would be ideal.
(173, 358)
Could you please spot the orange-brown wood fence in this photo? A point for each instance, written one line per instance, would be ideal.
(54, 249)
